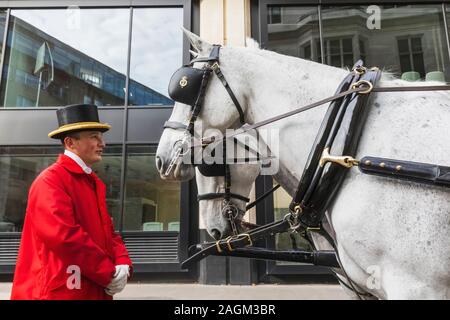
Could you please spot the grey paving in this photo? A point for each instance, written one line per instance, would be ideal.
(192, 291)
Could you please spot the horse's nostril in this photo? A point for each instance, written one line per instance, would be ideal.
(215, 234)
(159, 163)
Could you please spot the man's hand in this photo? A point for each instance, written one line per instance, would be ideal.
(119, 279)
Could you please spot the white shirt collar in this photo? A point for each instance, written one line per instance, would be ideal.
(78, 160)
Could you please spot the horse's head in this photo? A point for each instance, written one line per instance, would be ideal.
(203, 99)
(214, 210)
(223, 188)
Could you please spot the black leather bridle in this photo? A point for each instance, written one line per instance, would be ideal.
(188, 85)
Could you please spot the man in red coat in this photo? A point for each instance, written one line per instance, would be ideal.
(69, 249)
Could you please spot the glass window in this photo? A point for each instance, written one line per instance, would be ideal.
(151, 204)
(294, 31)
(109, 171)
(274, 15)
(407, 40)
(339, 52)
(156, 52)
(411, 55)
(61, 57)
(2, 28)
(19, 166)
(286, 240)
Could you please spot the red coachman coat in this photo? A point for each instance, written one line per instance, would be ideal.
(67, 225)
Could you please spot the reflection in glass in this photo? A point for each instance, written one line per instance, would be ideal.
(60, 57)
(109, 171)
(294, 31)
(151, 204)
(410, 43)
(286, 240)
(2, 28)
(19, 166)
(156, 52)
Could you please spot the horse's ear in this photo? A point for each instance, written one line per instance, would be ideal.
(252, 43)
(199, 44)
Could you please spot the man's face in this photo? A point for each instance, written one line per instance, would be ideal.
(88, 145)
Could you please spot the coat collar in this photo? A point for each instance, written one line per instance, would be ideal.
(78, 160)
(70, 164)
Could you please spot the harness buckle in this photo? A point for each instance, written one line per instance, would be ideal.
(363, 82)
(215, 66)
(298, 209)
(250, 242)
(218, 242)
(359, 70)
(345, 161)
(230, 248)
(219, 249)
(237, 237)
(292, 218)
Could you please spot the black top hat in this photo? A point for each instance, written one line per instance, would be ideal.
(78, 117)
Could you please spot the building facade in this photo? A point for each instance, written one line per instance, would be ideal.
(120, 55)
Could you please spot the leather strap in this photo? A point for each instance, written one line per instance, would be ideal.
(246, 128)
(238, 241)
(199, 102)
(265, 195)
(216, 195)
(213, 55)
(406, 170)
(411, 88)
(175, 125)
(343, 137)
(213, 64)
(230, 92)
(326, 258)
(326, 127)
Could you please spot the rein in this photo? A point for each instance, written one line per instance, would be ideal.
(362, 87)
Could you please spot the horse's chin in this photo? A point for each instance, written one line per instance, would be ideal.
(184, 172)
(181, 172)
(241, 228)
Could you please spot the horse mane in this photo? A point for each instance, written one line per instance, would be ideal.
(252, 43)
(388, 76)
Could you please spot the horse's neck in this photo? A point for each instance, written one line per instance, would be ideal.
(279, 84)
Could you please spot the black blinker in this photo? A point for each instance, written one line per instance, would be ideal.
(184, 86)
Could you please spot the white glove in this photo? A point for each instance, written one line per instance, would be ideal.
(119, 279)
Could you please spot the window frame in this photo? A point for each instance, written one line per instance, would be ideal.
(410, 53)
